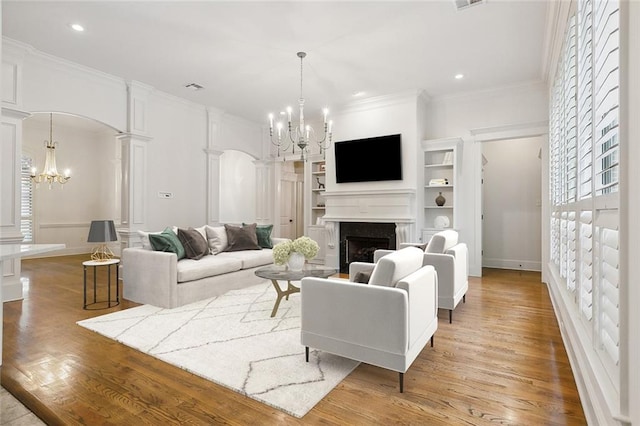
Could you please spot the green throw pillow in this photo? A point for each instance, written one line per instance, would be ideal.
(263, 232)
(167, 240)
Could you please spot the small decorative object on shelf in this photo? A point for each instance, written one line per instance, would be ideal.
(448, 158)
(320, 184)
(441, 222)
(440, 200)
(294, 253)
(439, 182)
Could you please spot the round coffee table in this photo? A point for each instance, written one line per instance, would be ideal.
(275, 273)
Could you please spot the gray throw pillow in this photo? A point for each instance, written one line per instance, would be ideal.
(195, 246)
(242, 238)
(263, 232)
(362, 277)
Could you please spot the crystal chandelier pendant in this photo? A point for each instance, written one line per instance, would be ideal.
(50, 173)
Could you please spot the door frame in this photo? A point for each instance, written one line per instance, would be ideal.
(515, 131)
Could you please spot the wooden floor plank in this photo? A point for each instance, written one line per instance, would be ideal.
(501, 361)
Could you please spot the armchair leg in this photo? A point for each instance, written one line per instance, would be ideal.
(431, 341)
(450, 315)
(464, 298)
(401, 382)
(306, 353)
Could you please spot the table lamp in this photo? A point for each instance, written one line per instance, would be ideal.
(102, 231)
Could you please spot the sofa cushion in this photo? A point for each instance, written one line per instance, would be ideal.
(250, 258)
(442, 241)
(195, 245)
(263, 232)
(218, 241)
(393, 267)
(144, 239)
(242, 238)
(208, 266)
(167, 240)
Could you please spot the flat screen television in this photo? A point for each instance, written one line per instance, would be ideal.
(369, 160)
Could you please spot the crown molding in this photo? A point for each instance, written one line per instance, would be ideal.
(529, 85)
(383, 101)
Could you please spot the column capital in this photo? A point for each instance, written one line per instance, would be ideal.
(15, 113)
(127, 136)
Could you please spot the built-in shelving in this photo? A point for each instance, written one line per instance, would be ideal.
(440, 164)
(315, 181)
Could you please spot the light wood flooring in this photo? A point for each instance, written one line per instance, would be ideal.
(502, 361)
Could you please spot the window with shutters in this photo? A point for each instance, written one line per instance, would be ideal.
(584, 174)
(26, 199)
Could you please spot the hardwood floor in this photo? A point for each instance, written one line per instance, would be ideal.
(501, 361)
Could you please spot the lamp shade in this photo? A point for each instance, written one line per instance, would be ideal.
(102, 231)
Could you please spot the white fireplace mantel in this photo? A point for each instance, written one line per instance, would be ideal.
(393, 205)
(379, 206)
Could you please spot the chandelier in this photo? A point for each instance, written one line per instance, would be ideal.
(301, 135)
(50, 173)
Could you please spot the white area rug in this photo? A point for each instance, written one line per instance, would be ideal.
(231, 340)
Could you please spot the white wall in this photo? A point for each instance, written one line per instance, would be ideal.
(63, 213)
(378, 117)
(459, 116)
(511, 204)
(176, 160)
(237, 177)
(176, 163)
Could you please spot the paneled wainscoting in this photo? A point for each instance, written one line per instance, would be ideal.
(502, 361)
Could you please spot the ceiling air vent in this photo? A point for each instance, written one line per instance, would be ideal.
(194, 86)
(463, 4)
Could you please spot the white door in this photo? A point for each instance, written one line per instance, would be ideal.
(287, 209)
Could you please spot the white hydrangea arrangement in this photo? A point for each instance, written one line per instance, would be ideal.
(303, 245)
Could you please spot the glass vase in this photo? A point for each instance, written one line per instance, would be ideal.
(296, 261)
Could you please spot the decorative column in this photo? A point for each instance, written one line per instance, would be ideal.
(10, 188)
(10, 169)
(214, 118)
(264, 195)
(403, 233)
(134, 164)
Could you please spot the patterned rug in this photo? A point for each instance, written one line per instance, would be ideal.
(231, 340)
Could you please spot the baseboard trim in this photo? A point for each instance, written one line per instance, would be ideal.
(523, 265)
(590, 377)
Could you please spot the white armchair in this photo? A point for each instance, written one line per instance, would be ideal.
(450, 259)
(386, 323)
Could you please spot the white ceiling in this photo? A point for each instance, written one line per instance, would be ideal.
(244, 53)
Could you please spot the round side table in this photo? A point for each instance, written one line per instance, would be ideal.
(95, 265)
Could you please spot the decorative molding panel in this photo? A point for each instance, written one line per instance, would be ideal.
(10, 83)
(138, 99)
(371, 206)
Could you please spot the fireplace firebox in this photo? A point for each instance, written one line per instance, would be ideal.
(359, 240)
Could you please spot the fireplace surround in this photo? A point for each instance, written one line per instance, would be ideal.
(359, 240)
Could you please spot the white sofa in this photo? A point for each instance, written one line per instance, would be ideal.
(386, 323)
(158, 278)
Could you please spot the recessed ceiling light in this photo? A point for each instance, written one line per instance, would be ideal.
(459, 76)
(359, 94)
(77, 27)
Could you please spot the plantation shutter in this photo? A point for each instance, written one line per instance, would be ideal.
(571, 251)
(570, 153)
(606, 91)
(585, 100)
(608, 286)
(26, 199)
(586, 265)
